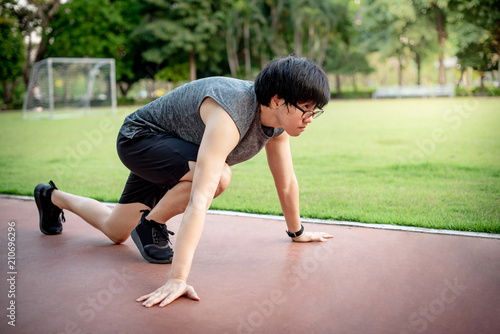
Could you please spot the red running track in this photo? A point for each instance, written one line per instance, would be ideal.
(251, 279)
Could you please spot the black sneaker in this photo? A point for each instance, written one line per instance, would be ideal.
(153, 240)
(51, 216)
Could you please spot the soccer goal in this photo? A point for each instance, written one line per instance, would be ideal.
(71, 87)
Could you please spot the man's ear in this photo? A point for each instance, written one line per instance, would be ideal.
(276, 102)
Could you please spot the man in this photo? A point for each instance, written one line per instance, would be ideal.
(179, 149)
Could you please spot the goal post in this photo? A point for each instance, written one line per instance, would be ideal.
(70, 87)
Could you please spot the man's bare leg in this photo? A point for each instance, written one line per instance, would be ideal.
(175, 201)
(151, 235)
(115, 223)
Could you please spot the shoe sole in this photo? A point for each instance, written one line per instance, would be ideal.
(139, 245)
(38, 201)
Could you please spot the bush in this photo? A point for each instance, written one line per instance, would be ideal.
(130, 101)
(17, 103)
(462, 91)
(125, 101)
(350, 94)
(476, 91)
(487, 91)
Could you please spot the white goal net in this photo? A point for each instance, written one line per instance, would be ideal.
(70, 87)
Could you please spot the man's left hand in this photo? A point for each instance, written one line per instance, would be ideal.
(313, 236)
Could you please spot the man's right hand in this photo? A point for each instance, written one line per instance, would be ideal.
(166, 294)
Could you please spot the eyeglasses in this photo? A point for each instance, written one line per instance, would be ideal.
(307, 114)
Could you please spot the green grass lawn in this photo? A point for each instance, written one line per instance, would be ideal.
(420, 162)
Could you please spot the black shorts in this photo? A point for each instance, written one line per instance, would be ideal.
(156, 161)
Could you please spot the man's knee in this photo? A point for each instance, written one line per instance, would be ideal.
(118, 239)
(224, 181)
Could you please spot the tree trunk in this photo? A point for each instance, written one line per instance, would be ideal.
(246, 50)
(481, 89)
(297, 39)
(310, 46)
(42, 48)
(498, 72)
(338, 85)
(469, 75)
(418, 60)
(400, 71)
(192, 66)
(442, 71)
(324, 45)
(264, 57)
(441, 31)
(7, 92)
(463, 77)
(9, 88)
(27, 65)
(150, 87)
(496, 36)
(275, 14)
(124, 88)
(230, 55)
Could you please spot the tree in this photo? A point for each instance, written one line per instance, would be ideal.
(34, 18)
(131, 66)
(256, 31)
(476, 49)
(479, 56)
(484, 14)
(100, 29)
(346, 54)
(277, 28)
(334, 22)
(11, 57)
(421, 42)
(384, 24)
(316, 23)
(345, 60)
(232, 36)
(179, 28)
(244, 20)
(436, 11)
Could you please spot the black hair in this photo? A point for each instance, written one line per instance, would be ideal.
(296, 80)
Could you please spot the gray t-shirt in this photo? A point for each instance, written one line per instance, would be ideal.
(178, 113)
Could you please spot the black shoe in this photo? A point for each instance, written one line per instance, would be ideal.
(51, 216)
(153, 240)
